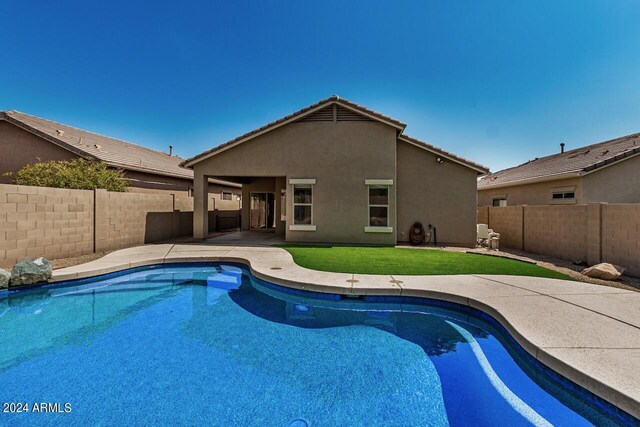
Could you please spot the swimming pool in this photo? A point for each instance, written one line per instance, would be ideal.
(196, 344)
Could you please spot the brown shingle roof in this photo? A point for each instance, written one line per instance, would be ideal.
(114, 152)
(334, 99)
(577, 161)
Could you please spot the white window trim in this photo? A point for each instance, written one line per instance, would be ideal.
(302, 227)
(378, 229)
(301, 181)
(378, 182)
(382, 183)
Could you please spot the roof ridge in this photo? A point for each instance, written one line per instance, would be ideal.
(609, 141)
(280, 121)
(579, 160)
(86, 131)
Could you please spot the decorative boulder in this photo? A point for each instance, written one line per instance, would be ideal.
(5, 277)
(28, 272)
(604, 271)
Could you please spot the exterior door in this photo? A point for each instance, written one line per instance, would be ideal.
(262, 215)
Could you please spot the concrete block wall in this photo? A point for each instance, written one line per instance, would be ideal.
(621, 236)
(593, 233)
(50, 222)
(61, 223)
(121, 218)
(508, 222)
(482, 215)
(558, 231)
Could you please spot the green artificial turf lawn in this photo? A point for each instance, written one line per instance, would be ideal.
(390, 261)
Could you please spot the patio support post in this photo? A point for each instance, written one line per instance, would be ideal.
(200, 206)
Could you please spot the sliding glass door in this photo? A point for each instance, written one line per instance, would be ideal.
(262, 211)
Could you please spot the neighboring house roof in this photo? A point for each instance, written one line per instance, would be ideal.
(318, 106)
(577, 162)
(114, 152)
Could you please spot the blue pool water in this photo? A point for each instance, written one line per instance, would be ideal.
(211, 345)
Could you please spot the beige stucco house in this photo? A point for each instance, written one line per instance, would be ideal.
(338, 172)
(26, 139)
(605, 172)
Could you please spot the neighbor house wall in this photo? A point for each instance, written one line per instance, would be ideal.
(443, 195)
(618, 183)
(20, 148)
(532, 194)
(339, 155)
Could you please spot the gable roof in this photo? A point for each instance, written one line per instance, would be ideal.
(577, 162)
(319, 109)
(114, 152)
(334, 99)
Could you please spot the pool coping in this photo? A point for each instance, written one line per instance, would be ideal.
(563, 324)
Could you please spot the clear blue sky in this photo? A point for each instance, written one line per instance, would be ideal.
(497, 82)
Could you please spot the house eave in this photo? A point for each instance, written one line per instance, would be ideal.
(534, 180)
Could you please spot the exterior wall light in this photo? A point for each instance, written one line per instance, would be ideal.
(439, 160)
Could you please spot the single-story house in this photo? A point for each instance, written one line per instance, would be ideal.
(605, 172)
(339, 172)
(26, 139)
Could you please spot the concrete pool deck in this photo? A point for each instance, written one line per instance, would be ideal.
(588, 333)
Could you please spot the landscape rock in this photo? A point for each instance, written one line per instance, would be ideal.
(604, 271)
(5, 277)
(28, 272)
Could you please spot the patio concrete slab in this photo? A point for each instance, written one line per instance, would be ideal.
(370, 284)
(548, 322)
(457, 288)
(622, 306)
(552, 286)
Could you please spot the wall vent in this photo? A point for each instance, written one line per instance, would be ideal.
(323, 115)
(342, 115)
(346, 115)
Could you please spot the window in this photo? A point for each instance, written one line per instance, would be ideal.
(378, 205)
(564, 195)
(302, 204)
(227, 196)
(499, 202)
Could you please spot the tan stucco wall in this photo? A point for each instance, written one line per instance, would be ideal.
(340, 156)
(618, 183)
(443, 195)
(531, 194)
(20, 148)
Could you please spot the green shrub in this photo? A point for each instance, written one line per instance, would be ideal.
(78, 174)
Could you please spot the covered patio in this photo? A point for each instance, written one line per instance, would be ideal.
(262, 208)
(247, 238)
